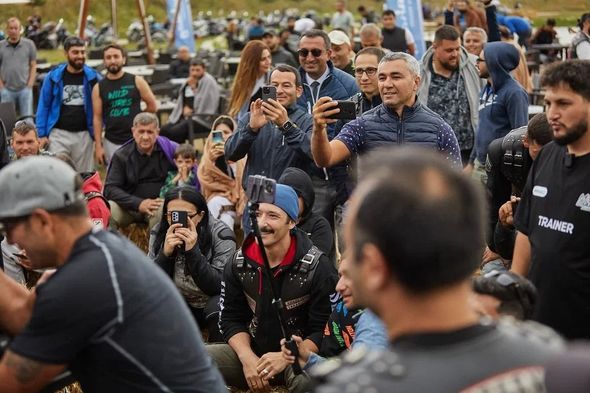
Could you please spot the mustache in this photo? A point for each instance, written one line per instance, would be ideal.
(266, 230)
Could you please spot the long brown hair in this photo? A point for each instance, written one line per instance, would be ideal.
(246, 75)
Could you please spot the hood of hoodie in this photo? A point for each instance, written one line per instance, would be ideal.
(303, 186)
(501, 59)
(92, 182)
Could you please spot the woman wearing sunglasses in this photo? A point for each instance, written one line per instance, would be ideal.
(193, 255)
(252, 74)
(221, 180)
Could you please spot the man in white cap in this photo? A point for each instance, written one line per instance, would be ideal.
(342, 53)
(106, 312)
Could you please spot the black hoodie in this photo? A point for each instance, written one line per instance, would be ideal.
(317, 227)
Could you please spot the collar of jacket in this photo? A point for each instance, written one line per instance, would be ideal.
(407, 111)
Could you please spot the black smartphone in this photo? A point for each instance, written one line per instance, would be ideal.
(179, 217)
(269, 92)
(347, 110)
(217, 137)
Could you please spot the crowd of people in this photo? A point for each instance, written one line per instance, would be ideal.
(420, 231)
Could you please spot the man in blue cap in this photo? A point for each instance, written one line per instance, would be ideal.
(305, 278)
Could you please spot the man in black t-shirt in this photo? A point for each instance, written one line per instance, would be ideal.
(414, 232)
(111, 317)
(116, 100)
(64, 113)
(553, 218)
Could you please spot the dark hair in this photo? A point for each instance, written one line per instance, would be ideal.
(313, 33)
(291, 69)
(572, 73)
(185, 150)
(505, 32)
(65, 157)
(23, 127)
(114, 46)
(224, 119)
(446, 32)
(585, 16)
(72, 41)
(425, 217)
(190, 195)
(539, 130)
(388, 13)
(551, 22)
(371, 50)
(197, 62)
(516, 294)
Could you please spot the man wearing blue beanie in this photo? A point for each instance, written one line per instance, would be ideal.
(306, 278)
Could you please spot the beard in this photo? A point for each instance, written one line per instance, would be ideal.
(448, 66)
(114, 68)
(76, 65)
(572, 134)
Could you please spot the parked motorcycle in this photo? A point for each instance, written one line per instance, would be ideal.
(157, 31)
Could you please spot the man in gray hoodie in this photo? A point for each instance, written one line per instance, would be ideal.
(450, 86)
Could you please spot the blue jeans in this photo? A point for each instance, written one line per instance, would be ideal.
(23, 100)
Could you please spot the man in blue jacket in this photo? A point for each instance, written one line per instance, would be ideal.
(503, 103)
(275, 133)
(64, 112)
(322, 79)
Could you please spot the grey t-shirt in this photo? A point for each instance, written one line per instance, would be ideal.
(508, 357)
(15, 63)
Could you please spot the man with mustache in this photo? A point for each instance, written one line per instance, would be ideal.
(64, 113)
(553, 217)
(305, 277)
(117, 100)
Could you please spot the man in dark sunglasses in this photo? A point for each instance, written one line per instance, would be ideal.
(322, 79)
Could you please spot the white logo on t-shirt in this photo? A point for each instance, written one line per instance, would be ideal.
(584, 202)
(540, 191)
(73, 95)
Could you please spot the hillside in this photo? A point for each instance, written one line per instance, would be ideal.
(127, 11)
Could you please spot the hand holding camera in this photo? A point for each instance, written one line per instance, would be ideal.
(181, 235)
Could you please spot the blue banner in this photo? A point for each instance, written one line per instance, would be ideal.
(409, 16)
(184, 25)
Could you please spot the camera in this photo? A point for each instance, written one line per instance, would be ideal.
(261, 189)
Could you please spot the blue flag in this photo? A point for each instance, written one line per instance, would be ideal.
(409, 16)
(184, 25)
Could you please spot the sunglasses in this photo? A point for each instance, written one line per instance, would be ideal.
(315, 52)
(370, 71)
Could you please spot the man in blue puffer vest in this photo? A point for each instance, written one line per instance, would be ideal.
(400, 119)
(321, 79)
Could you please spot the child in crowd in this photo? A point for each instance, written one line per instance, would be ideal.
(185, 159)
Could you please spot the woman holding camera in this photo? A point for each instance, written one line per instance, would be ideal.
(192, 248)
(221, 180)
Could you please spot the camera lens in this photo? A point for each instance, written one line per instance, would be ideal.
(265, 90)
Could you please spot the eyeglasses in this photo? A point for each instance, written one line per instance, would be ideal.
(370, 71)
(480, 60)
(315, 52)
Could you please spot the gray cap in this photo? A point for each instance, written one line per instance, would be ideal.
(37, 182)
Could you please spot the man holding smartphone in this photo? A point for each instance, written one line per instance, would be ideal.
(275, 134)
(400, 119)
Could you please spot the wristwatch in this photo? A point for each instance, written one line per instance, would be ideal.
(287, 126)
